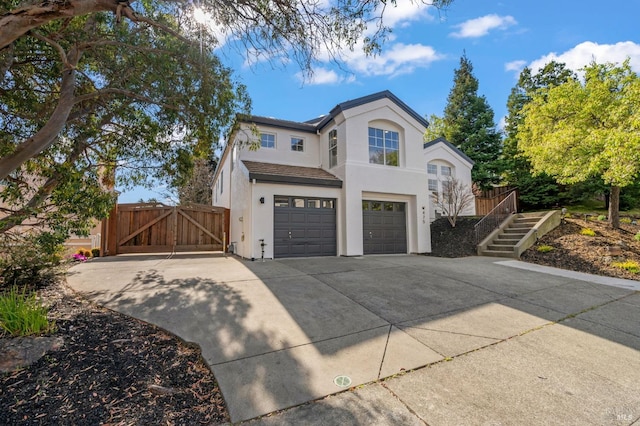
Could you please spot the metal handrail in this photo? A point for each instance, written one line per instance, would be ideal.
(495, 217)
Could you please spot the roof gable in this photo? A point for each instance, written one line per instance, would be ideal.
(451, 146)
(385, 94)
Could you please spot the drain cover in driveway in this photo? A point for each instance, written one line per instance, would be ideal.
(342, 381)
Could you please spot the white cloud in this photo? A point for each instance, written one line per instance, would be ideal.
(479, 27)
(401, 14)
(324, 76)
(398, 59)
(582, 54)
(515, 65)
(502, 123)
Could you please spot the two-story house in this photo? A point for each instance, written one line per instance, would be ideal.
(349, 183)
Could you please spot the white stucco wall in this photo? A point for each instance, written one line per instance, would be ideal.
(251, 221)
(442, 155)
(282, 153)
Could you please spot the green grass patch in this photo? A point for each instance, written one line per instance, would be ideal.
(588, 232)
(545, 249)
(626, 220)
(602, 217)
(629, 265)
(22, 314)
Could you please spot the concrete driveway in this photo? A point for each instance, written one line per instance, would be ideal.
(505, 342)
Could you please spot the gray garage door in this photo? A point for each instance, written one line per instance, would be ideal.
(384, 226)
(304, 226)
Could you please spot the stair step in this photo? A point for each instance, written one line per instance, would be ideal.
(505, 242)
(494, 247)
(521, 227)
(513, 232)
(496, 253)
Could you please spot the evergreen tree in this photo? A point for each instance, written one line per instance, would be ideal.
(469, 125)
(539, 191)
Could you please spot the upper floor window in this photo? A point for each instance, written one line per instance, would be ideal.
(445, 170)
(432, 169)
(433, 185)
(333, 148)
(267, 140)
(383, 147)
(297, 144)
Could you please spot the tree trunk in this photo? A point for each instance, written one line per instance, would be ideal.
(614, 207)
(48, 133)
(17, 22)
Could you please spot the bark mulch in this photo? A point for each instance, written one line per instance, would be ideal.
(600, 254)
(110, 369)
(453, 242)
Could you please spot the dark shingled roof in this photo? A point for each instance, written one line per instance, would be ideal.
(291, 175)
(316, 124)
(450, 145)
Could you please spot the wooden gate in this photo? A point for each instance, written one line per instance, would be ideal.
(154, 228)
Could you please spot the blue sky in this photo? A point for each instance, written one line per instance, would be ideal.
(417, 63)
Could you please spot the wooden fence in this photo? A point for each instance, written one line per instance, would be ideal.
(154, 228)
(489, 199)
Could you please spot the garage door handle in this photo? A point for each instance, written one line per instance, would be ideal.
(370, 235)
(289, 234)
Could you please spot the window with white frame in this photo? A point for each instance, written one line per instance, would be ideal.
(384, 146)
(432, 169)
(267, 140)
(333, 148)
(297, 144)
(433, 185)
(445, 170)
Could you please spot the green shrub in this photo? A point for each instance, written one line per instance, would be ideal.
(95, 252)
(637, 236)
(588, 232)
(545, 249)
(30, 260)
(629, 265)
(602, 217)
(21, 314)
(626, 220)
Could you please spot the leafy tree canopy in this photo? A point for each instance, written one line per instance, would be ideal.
(101, 95)
(582, 129)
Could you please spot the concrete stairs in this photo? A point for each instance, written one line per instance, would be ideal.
(517, 233)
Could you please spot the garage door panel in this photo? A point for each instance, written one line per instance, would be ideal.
(313, 229)
(384, 229)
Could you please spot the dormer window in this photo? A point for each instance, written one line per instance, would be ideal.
(383, 146)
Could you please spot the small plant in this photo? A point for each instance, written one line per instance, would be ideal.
(84, 252)
(588, 232)
(602, 217)
(626, 220)
(629, 265)
(545, 249)
(79, 257)
(95, 252)
(21, 314)
(637, 236)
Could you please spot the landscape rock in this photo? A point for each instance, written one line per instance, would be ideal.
(17, 352)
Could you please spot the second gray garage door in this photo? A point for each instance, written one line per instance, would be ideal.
(384, 227)
(304, 226)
